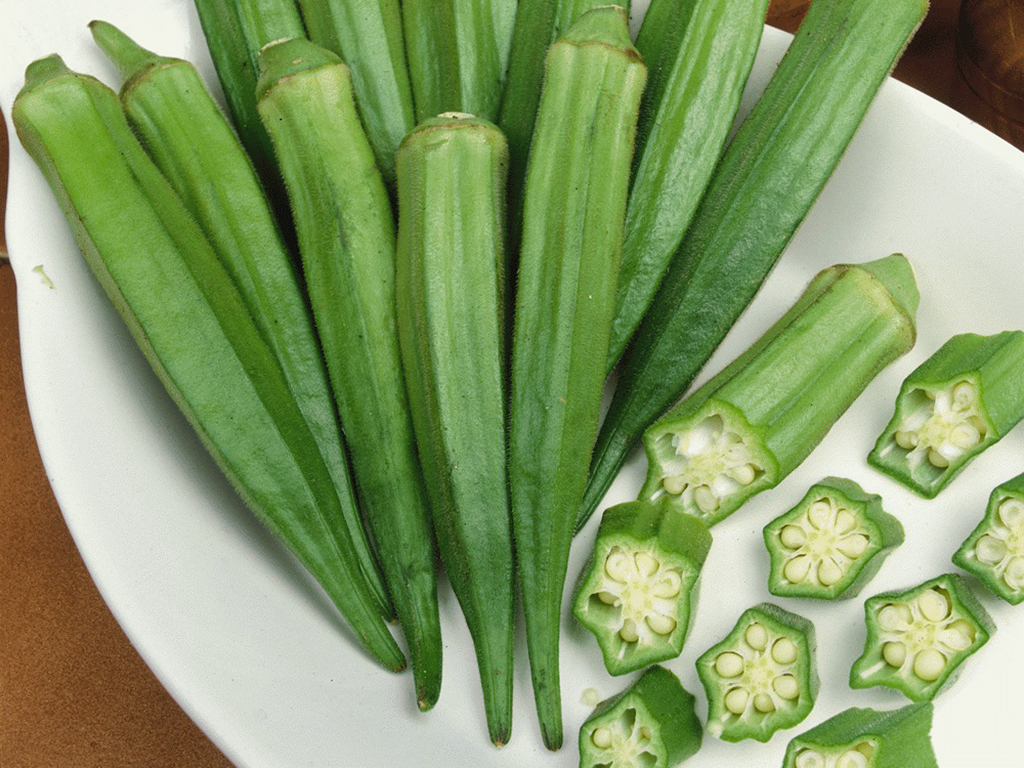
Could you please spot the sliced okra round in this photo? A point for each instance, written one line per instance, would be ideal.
(652, 724)
(956, 404)
(762, 677)
(994, 552)
(831, 543)
(637, 592)
(918, 639)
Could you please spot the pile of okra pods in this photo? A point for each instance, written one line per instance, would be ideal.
(387, 294)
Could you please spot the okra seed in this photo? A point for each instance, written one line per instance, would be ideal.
(763, 703)
(965, 436)
(646, 564)
(736, 701)
(729, 664)
(829, 573)
(937, 459)
(845, 521)
(963, 396)
(743, 474)
(929, 665)
(853, 546)
(796, 570)
(602, 737)
(990, 550)
(933, 605)
(628, 631)
(674, 484)
(959, 635)
(906, 440)
(607, 598)
(820, 513)
(1011, 512)
(852, 759)
(784, 651)
(810, 759)
(617, 566)
(893, 617)
(705, 499)
(662, 625)
(793, 536)
(1014, 573)
(787, 687)
(895, 654)
(669, 585)
(756, 637)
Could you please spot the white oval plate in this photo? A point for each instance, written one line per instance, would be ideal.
(249, 646)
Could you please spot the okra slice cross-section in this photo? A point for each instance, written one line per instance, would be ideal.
(994, 552)
(762, 677)
(831, 543)
(637, 592)
(918, 639)
(652, 724)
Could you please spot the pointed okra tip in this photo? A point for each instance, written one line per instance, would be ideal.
(606, 25)
(896, 274)
(281, 59)
(41, 71)
(130, 58)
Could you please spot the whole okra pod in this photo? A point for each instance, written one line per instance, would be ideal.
(994, 552)
(572, 239)
(347, 241)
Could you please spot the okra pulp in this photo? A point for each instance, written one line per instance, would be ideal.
(994, 552)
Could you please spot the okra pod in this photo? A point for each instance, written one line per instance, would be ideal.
(192, 144)
(957, 403)
(758, 419)
(867, 738)
(766, 181)
(917, 640)
(994, 552)
(347, 242)
(652, 723)
(368, 36)
(762, 677)
(831, 543)
(637, 592)
(572, 239)
(450, 275)
(191, 323)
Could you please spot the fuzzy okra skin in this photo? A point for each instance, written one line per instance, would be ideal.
(867, 738)
(347, 242)
(764, 185)
(368, 36)
(450, 289)
(752, 424)
(190, 321)
(762, 677)
(957, 403)
(637, 592)
(572, 238)
(652, 723)
(994, 552)
(830, 544)
(918, 639)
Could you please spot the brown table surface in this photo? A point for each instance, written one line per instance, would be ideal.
(73, 691)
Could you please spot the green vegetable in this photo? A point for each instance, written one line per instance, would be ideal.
(192, 324)
(451, 236)
(866, 738)
(762, 188)
(195, 148)
(918, 639)
(572, 237)
(830, 544)
(758, 419)
(637, 591)
(994, 552)
(762, 677)
(347, 240)
(957, 403)
(651, 724)
(368, 36)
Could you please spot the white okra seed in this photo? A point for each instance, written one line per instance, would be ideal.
(906, 439)
(963, 396)
(787, 687)
(669, 585)
(829, 573)
(736, 701)
(756, 636)
(937, 459)
(662, 625)
(763, 703)
(645, 564)
(602, 737)
(895, 654)
(933, 605)
(784, 651)
(819, 514)
(729, 664)
(792, 536)
(1011, 512)
(617, 565)
(853, 546)
(852, 759)
(1014, 573)
(674, 484)
(956, 638)
(628, 631)
(705, 499)
(797, 568)
(810, 759)
(928, 665)
(743, 474)
(607, 598)
(846, 521)
(990, 550)
(894, 616)
(964, 436)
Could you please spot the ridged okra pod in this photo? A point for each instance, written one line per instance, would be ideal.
(192, 144)
(639, 589)
(766, 181)
(347, 241)
(685, 119)
(192, 324)
(957, 403)
(751, 425)
(368, 36)
(652, 723)
(994, 552)
(572, 239)
(458, 52)
(450, 286)
(867, 738)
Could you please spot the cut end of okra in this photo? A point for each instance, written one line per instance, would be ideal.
(762, 677)
(831, 543)
(918, 639)
(994, 552)
(637, 593)
(856, 754)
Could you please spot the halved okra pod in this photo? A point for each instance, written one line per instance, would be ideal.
(764, 185)
(759, 418)
(192, 144)
(762, 677)
(572, 240)
(867, 738)
(638, 590)
(994, 552)
(191, 323)
(451, 237)
(831, 543)
(347, 241)
(651, 724)
(918, 639)
(957, 403)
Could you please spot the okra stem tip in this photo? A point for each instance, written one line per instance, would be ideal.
(128, 56)
(43, 70)
(288, 56)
